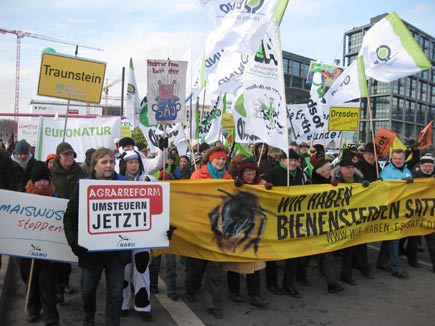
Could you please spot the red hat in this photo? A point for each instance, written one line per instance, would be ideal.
(49, 157)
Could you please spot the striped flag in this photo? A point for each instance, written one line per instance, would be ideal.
(390, 51)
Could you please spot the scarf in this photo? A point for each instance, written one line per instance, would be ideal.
(215, 173)
(292, 173)
(131, 176)
(22, 164)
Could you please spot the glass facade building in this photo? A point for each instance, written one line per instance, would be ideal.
(295, 67)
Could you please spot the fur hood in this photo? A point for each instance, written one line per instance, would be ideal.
(336, 175)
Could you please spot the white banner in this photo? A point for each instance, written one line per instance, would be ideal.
(119, 215)
(28, 129)
(299, 133)
(32, 227)
(82, 134)
(166, 91)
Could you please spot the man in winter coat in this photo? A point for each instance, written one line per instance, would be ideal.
(93, 263)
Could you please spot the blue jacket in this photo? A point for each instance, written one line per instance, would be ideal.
(390, 172)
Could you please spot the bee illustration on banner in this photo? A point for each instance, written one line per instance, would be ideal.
(238, 220)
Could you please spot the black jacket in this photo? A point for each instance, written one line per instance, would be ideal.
(278, 177)
(91, 260)
(23, 175)
(8, 174)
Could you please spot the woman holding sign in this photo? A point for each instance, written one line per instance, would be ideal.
(214, 167)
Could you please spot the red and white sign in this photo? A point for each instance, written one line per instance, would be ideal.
(120, 215)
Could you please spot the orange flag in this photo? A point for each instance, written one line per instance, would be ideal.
(384, 140)
(425, 137)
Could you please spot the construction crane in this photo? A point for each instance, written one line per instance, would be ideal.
(106, 94)
(20, 35)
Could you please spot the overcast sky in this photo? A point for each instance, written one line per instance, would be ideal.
(158, 29)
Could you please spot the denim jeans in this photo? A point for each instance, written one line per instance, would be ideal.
(393, 246)
(114, 273)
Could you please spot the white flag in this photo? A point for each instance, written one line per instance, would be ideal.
(314, 120)
(242, 27)
(132, 106)
(390, 51)
(351, 84)
(264, 93)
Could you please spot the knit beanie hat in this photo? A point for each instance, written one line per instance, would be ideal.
(129, 155)
(347, 161)
(203, 147)
(321, 165)
(40, 172)
(21, 147)
(427, 158)
(126, 141)
(292, 154)
(49, 157)
(249, 163)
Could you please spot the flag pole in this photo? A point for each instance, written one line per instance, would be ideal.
(372, 131)
(29, 284)
(282, 86)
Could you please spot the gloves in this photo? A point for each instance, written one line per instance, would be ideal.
(365, 183)
(79, 250)
(163, 143)
(238, 182)
(408, 179)
(268, 185)
(170, 232)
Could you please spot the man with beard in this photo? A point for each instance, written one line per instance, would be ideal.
(93, 264)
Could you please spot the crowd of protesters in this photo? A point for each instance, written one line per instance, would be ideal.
(131, 277)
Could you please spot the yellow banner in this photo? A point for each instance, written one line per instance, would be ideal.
(217, 221)
(343, 119)
(227, 121)
(71, 78)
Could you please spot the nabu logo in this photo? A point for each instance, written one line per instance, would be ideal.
(125, 242)
(383, 53)
(35, 251)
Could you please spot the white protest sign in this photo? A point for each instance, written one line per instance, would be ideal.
(28, 130)
(82, 134)
(166, 91)
(120, 215)
(32, 227)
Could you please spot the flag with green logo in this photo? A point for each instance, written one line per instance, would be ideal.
(390, 51)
